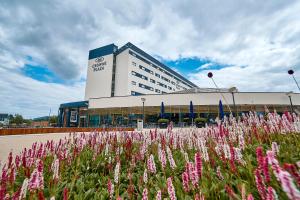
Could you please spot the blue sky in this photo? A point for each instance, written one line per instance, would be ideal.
(44, 44)
(181, 65)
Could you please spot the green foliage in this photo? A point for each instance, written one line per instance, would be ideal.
(86, 175)
(200, 120)
(53, 119)
(163, 121)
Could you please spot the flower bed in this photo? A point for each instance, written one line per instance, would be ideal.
(252, 158)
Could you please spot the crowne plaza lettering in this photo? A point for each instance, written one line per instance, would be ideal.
(99, 64)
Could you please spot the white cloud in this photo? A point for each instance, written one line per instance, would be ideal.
(204, 66)
(33, 98)
(258, 39)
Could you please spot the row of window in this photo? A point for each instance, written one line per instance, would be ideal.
(156, 74)
(146, 61)
(146, 87)
(139, 75)
(145, 69)
(151, 80)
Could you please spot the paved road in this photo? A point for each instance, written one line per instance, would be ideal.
(16, 143)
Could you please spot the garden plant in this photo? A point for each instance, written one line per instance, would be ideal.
(252, 157)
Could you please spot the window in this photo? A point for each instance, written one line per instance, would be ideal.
(173, 83)
(169, 88)
(157, 75)
(133, 93)
(152, 81)
(133, 82)
(139, 75)
(157, 90)
(146, 69)
(133, 63)
(163, 92)
(146, 87)
(161, 84)
(165, 79)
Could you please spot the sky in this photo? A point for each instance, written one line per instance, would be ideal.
(44, 45)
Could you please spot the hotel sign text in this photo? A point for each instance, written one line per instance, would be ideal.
(99, 65)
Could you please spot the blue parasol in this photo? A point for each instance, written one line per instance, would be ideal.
(191, 110)
(162, 110)
(221, 111)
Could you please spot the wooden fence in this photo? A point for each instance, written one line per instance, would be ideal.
(24, 131)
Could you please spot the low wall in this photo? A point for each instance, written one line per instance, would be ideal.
(25, 131)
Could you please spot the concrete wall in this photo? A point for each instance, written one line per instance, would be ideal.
(98, 82)
(122, 83)
(241, 98)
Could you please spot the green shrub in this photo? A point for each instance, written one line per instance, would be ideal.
(199, 120)
(163, 121)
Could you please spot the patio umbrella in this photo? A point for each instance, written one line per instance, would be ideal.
(191, 110)
(221, 111)
(162, 110)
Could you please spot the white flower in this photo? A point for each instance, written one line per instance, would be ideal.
(117, 172)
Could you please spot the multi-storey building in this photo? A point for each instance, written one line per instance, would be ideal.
(129, 71)
(126, 84)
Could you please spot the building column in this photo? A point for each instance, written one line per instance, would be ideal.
(68, 117)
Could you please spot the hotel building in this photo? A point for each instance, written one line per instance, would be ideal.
(124, 83)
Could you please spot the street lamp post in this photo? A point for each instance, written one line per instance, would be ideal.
(291, 72)
(289, 94)
(143, 100)
(233, 90)
(210, 75)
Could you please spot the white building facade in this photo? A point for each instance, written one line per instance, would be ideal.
(126, 84)
(129, 71)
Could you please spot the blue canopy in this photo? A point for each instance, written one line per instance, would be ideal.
(191, 110)
(162, 110)
(221, 111)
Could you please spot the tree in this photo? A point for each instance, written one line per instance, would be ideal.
(17, 119)
(53, 119)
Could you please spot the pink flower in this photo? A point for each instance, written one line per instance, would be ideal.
(151, 164)
(10, 157)
(293, 170)
(110, 188)
(55, 169)
(260, 184)
(158, 195)
(171, 190)
(198, 163)
(259, 157)
(185, 181)
(36, 180)
(145, 194)
(250, 197)
(288, 185)
(193, 175)
(24, 189)
(162, 157)
(17, 161)
(271, 194)
(275, 148)
(170, 158)
(65, 194)
(266, 170)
